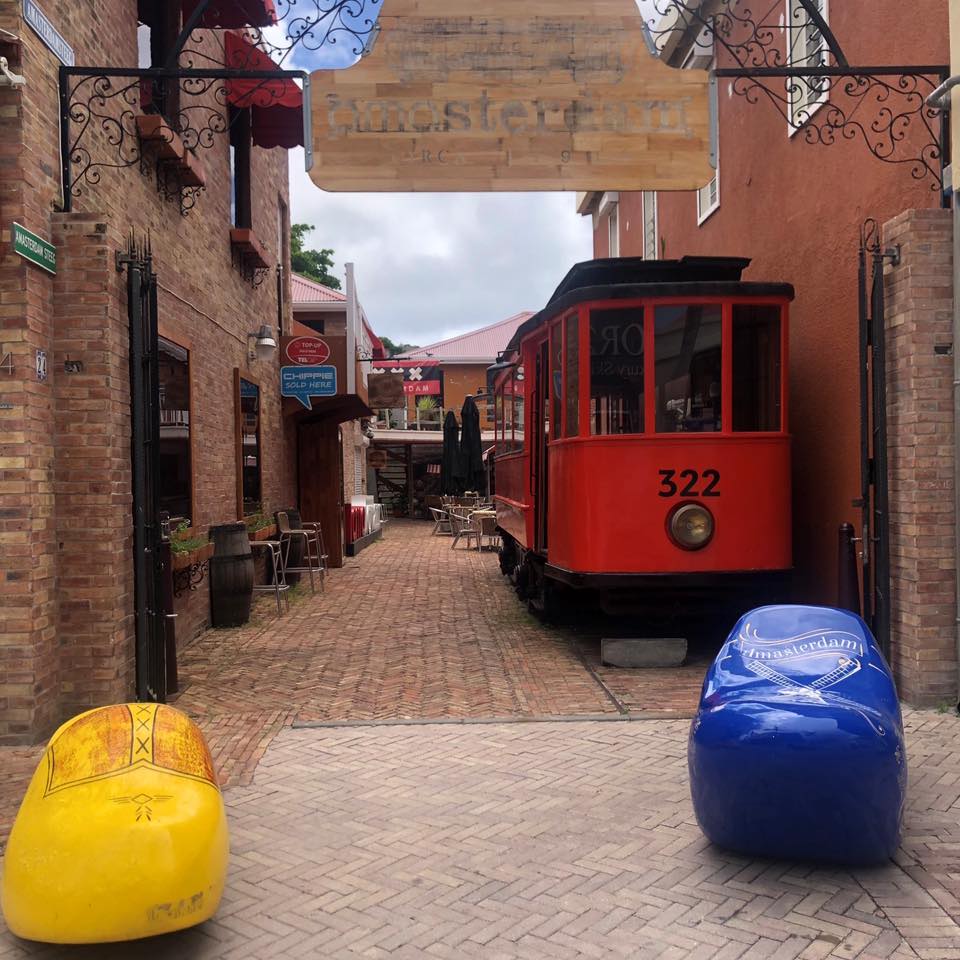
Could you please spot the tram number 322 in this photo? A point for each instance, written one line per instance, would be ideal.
(689, 483)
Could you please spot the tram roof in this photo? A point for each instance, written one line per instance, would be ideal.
(618, 278)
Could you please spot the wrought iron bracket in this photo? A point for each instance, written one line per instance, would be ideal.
(189, 578)
(812, 85)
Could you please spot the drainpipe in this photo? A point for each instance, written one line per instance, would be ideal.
(938, 98)
(352, 313)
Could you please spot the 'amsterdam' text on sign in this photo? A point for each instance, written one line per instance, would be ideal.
(33, 248)
(509, 98)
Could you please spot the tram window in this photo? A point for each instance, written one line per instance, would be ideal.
(756, 367)
(687, 348)
(508, 414)
(556, 377)
(572, 385)
(616, 371)
(518, 409)
(498, 415)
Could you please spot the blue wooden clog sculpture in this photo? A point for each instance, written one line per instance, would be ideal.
(797, 749)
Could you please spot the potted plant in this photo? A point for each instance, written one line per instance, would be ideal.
(187, 549)
(428, 412)
(260, 526)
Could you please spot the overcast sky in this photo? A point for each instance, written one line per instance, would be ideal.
(429, 266)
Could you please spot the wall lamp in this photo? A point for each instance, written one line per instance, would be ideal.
(260, 345)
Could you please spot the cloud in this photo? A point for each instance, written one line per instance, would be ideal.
(430, 266)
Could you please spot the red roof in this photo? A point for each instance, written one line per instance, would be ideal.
(305, 290)
(483, 344)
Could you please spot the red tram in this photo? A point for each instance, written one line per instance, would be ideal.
(642, 442)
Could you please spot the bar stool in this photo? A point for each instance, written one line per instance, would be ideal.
(279, 585)
(311, 526)
(310, 540)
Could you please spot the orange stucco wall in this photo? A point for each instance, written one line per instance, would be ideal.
(796, 209)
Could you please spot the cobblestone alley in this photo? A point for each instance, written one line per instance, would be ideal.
(384, 800)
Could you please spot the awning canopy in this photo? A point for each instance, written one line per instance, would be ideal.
(230, 14)
(276, 106)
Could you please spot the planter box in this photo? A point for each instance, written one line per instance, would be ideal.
(156, 131)
(264, 533)
(181, 561)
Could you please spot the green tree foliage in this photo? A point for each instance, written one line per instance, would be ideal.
(315, 264)
(396, 349)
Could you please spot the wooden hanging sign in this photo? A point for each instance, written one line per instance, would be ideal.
(457, 95)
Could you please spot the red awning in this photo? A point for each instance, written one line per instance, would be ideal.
(276, 106)
(230, 14)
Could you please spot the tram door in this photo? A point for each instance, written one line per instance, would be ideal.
(540, 421)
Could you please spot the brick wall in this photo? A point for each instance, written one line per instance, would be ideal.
(921, 433)
(65, 504)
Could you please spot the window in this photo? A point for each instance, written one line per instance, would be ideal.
(508, 413)
(688, 368)
(650, 251)
(806, 47)
(556, 376)
(249, 447)
(616, 371)
(572, 379)
(708, 197)
(498, 414)
(613, 232)
(518, 421)
(756, 367)
(174, 484)
(240, 205)
(158, 26)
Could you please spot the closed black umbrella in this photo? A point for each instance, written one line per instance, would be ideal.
(471, 448)
(451, 464)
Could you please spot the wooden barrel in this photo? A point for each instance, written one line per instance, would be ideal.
(294, 550)
(231, 575)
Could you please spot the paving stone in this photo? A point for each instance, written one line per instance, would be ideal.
(505, 839)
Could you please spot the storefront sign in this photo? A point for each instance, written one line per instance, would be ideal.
(46, 31)
(420, 377)
(384, 391)
(307, 350)
(302, 383)
(34, 248)
(501, 97)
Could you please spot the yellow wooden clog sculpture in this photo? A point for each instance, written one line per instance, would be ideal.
(122, 832)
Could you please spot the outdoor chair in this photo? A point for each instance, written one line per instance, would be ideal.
(279, 585)
(462, 528)
(486, 526)
(441, 522)
(312, 548)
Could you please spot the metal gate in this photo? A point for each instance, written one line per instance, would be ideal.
(874, 498)
(148, 535)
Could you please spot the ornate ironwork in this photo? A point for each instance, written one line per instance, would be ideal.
(799, 67)
(883, 108)
(347, 27)
(102, 110)
(189, 578)
(747, 36)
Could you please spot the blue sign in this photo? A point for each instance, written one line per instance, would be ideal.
(303, 383)
(46, 31)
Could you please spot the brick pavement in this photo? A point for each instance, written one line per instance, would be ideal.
(550, 839)
(544, 840)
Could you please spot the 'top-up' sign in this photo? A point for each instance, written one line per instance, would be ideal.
(311, 375)
(507, 95)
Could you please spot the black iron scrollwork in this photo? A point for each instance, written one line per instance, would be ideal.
(797, 65)
(345, 26)
(101, 106)
(189, 578)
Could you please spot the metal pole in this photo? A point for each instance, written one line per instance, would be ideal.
(955, 153)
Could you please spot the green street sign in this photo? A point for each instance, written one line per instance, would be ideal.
(34, 248)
